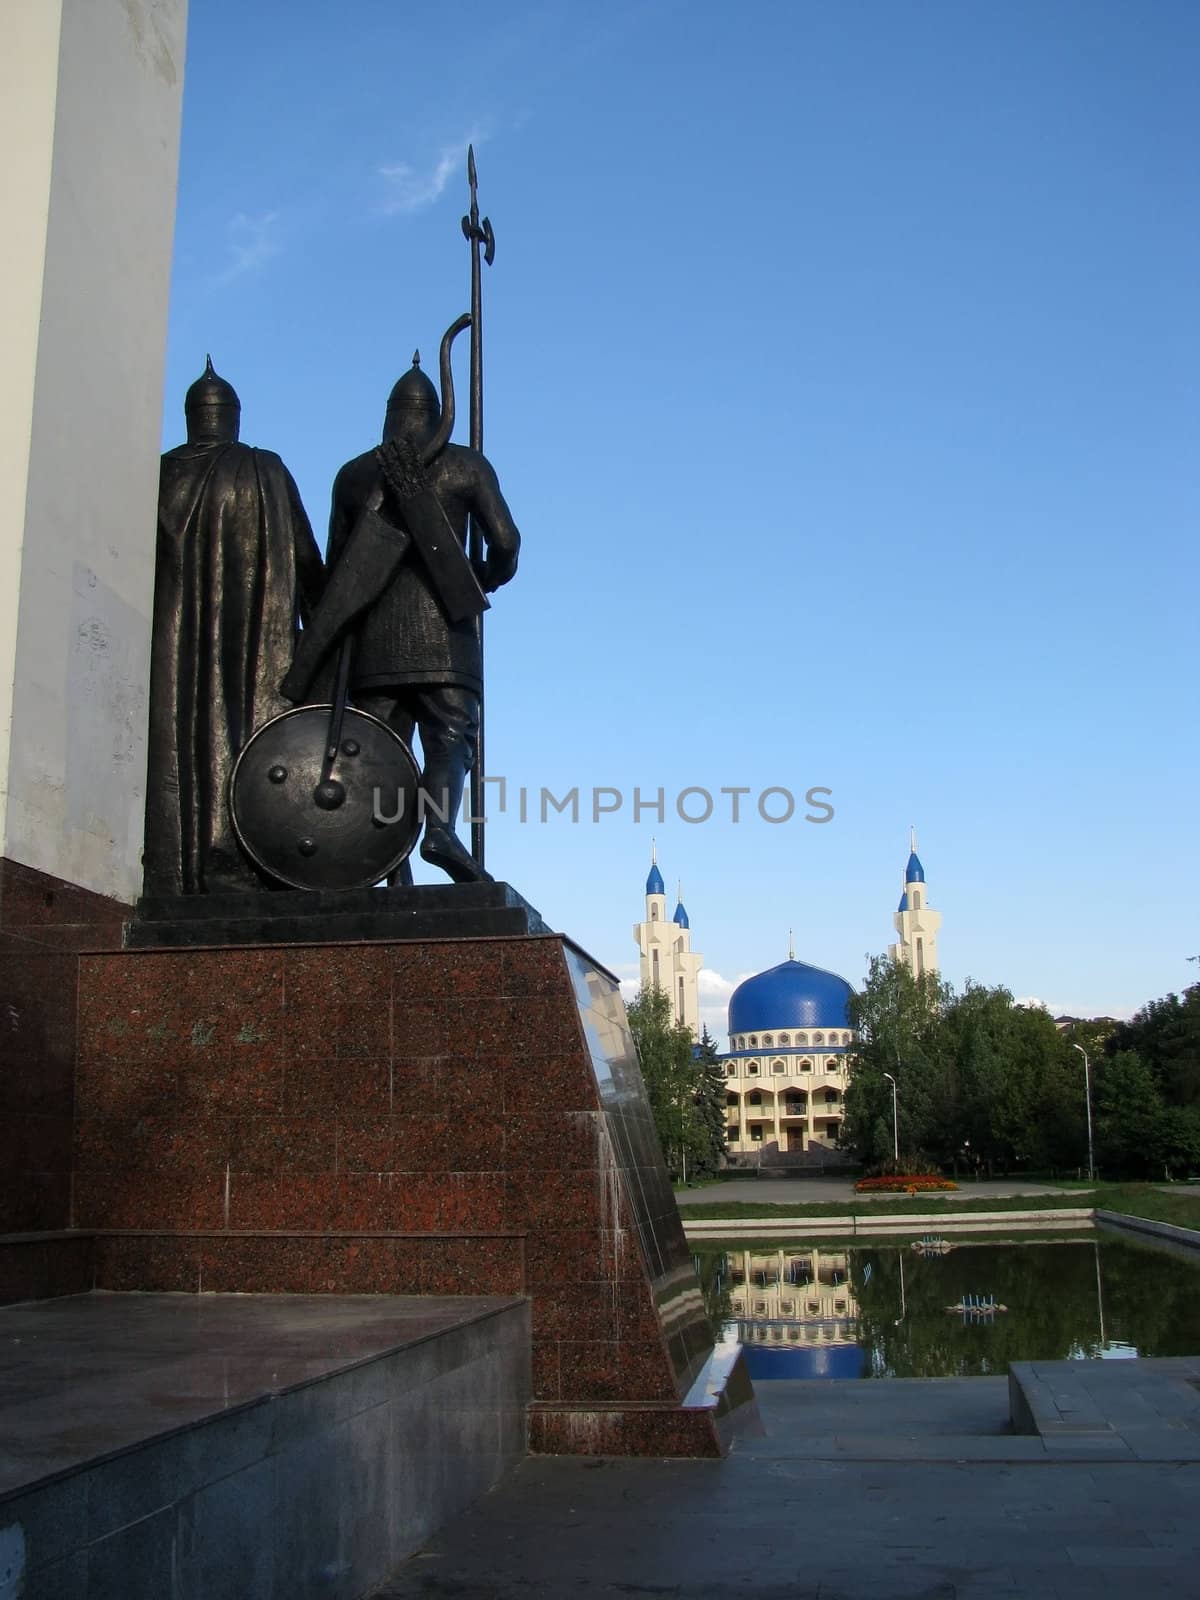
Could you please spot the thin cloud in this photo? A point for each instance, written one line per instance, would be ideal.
(408, 188)
(251, 242)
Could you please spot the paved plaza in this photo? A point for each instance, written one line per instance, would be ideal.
(877, 1490)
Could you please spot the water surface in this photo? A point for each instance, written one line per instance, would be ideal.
(936, 1309)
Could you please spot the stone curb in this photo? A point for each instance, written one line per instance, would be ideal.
(944, 1222)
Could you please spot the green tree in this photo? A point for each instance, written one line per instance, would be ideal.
(711, 1095)
(667, 1054)
(1166, 1035)
(896, 1017)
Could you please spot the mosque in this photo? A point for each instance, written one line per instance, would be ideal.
(790, 1037)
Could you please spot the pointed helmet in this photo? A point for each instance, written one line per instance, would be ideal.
(210, 389)
(414, 392)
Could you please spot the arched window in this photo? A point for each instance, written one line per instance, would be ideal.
(731, 1099)
(778, 1066)
(818, 1038)
(802, 1040)
(754, 1098)
(731, 1071)
(754, 1041)
(752, 1069)
(785, 1038)
(806, 1066)
(767, 1041)
(916, 900)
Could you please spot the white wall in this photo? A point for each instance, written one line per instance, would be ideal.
(90, 100)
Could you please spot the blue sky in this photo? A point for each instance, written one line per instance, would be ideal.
(841, 374)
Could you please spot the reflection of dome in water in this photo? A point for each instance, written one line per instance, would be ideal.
(791, 995)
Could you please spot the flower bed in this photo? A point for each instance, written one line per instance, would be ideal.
(921, 1183)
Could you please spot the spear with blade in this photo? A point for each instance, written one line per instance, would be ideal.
(477, 234)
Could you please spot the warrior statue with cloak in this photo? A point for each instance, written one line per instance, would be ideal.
(237, 567)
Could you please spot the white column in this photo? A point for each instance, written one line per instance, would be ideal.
(90, 98)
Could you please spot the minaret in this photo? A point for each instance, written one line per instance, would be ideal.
(667, 959)
(915, 923)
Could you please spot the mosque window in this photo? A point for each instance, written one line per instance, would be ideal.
(777, 1066)
(731, 1099)
(756, 1133)
(806, 1066)
(754, 1098)
(767, 1041)
(802, 1040)
(754, 1041)
(733, 1131)
(731, 1071)
(916, 900)
(752, 1069)
(818, 1038)
(785, 1038)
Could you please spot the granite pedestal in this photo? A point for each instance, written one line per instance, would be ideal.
(426, 1116)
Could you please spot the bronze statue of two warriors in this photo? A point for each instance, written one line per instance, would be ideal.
(244, 791)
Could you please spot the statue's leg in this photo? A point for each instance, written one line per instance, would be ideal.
(448, 719)
(392, 709)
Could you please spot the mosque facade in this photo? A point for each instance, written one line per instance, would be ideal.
(791, 1042)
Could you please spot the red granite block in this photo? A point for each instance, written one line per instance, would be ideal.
(348, 975)
(148, 1264)
(321, 1201)
(361, 1030)
(613, 1370)
(661, 1431)
(467, 968)
(147, 1147)
(574, 1311)
(591, 1370)
(534, 1081)
(416, 1201)
(555, 1140)
(469, 1141)
(248, 983)
(282, 1145)
(438, 1085)
(470, 1202)
(532, 1025)
(534, 967)
(279, 1264)
(622, 1254)
(645, 1370)
(637, 1320)
(472, 1266)
(545, 1381)
(137, 1199)
(428, 1028)
(45, 1269)
(553, 1201)
(418, 972)
(569, 1257)
(115, 1088)
(367, 1144)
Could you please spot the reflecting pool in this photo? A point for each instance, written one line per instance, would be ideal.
(933, 1308)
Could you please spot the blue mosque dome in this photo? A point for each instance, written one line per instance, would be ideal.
(681, 916)
(791, 995)
(654, 882)
(914, 872)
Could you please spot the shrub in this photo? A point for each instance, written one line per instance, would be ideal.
(909, 1183)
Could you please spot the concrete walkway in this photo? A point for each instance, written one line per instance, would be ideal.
(877, 1490)
(840, 1191)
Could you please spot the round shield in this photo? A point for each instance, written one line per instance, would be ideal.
(346, 830)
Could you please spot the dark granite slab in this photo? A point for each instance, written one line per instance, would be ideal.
(297, 916)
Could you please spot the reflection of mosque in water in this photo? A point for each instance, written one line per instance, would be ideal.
(793, 1307)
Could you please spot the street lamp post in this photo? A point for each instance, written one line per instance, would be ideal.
(895, 1120)
(1087, 1091)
